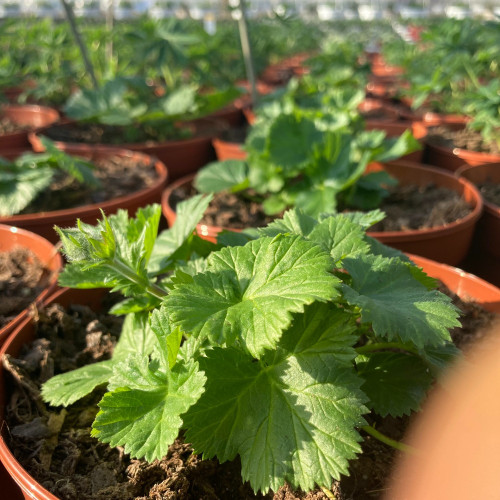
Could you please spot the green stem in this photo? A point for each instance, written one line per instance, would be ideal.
(390, 442)
(128, 273)
(472, 76)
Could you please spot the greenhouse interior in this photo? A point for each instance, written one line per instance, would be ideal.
(249, 249)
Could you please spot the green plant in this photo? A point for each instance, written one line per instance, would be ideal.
(131, 104)
(483, 105)
(311, 161)
(22, 180)
(273, 349)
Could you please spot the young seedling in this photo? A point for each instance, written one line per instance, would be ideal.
(315, 163)
(22, 180)
(272, 346)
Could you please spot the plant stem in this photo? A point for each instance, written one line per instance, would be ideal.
(128, 273)
(328, 493)
(390, 442)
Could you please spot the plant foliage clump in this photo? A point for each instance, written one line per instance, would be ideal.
(272, 345)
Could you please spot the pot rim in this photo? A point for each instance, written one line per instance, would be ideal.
(488, 205)
(84, 210)
(408, 235)
(464, 154)
(449, 228)
(34, 489)
(34, 139)
(53, 263)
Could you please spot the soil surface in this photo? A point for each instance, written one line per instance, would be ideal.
(407, 207)
(490, 192)
(22, 278)
(464, 139)
(421, 207)
(55, 446)
(118, 176)
(227, 210)
(236, 134)
(7, 126)
(91, 133)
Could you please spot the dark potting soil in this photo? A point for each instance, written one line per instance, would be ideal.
(421, 207)
(55, 446)
(490, 191)
(236, 134)
(227, 210)
(464, 139)
(22, 278)
(119, 176)
(7, 126)
(90, 133)
(407, 207)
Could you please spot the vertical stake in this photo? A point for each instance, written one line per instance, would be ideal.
(110, 18)
(70, 16)
(247, 50)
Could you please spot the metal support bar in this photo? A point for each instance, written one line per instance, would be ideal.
(247, 50)
(70, 16)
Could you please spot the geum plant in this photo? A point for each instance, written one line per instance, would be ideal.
(483, 105)
(130, 106)
(317, 165)
(26, 177)
(275, 347)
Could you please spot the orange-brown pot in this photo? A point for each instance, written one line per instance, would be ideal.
(448, 244)
(35, 117)
(453, 158)
(484, 256)
(181, 157)
(27, 487)
(463, 284)
(226, 150)
(47, 253)
(43, 223)
(396, 129)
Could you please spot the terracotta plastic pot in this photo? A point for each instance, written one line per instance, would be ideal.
(396, 129)
(484, 256)
(250, 115)
(35, 117)
(457, 431)
(488, 230)
(381, 108)
(381, 69)
(231, 114)
(43, 223)
(47, 253)
(453, 158)
(463, 284)
(225, 150)
(448, 244)
(387, 87)
(206, 232)
(431, 119)
(28, 487)
(181, 157)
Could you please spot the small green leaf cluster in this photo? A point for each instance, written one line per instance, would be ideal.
(483, 104)
(315, 163)
(272, 345)
(132, 104)
(23, 179)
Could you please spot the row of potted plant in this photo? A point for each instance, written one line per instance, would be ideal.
(124, 254)
(257, 305)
